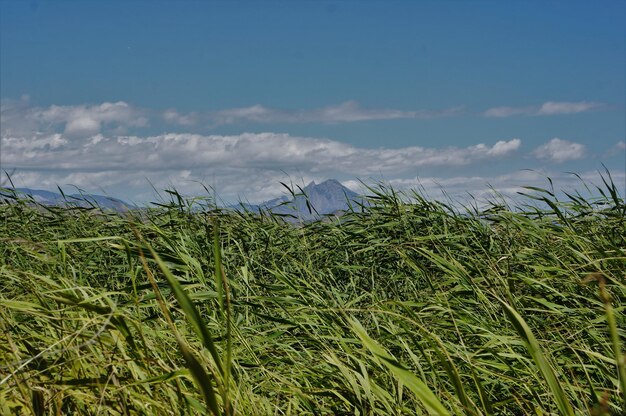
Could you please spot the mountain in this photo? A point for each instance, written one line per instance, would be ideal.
(328, 197)
(56, 199)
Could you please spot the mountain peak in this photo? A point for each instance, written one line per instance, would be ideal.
(328, 183)
(319, 199)
(316, 200)
(331, 182)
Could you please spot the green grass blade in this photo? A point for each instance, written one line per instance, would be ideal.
(417, 386)
(615, 340)
(540, 360)
(201, 378)
(189, 309)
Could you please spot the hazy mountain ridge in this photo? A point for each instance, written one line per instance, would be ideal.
(328, 197)
(75, 199)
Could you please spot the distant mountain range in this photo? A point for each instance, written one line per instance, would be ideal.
(56, 199)
(309, 203)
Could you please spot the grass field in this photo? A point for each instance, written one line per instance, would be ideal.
(408, 307)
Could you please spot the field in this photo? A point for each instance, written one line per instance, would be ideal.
(407, 306)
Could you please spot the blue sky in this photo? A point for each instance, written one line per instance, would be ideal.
(106, 95)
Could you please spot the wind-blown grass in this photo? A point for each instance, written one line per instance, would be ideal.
(403, 306)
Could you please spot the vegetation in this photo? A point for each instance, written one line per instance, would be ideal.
(403, 306)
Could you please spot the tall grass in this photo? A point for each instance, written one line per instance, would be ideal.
(402, 306)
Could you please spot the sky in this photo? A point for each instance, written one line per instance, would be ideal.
(458, 97)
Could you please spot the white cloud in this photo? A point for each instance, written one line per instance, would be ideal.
(347, 112)
(19, 117)
(86, 120)
(559, 151)
(504, 147)
(551, 108)
(621, 145)
(548, 108)
(82, 126)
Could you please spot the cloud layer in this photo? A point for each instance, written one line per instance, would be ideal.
(346, 112)
(268, 150)
(20, 117)
(114, 160)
